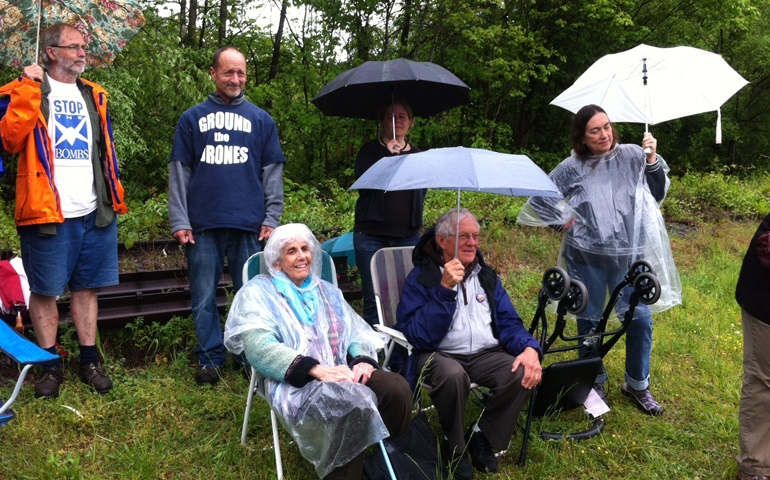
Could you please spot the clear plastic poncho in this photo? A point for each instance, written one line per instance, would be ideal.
(332, 422)
(616, 220)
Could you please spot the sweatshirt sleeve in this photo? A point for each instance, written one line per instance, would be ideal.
(178, 182)
(272, 183)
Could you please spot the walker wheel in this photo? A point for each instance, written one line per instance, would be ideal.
(556, 283)
(642, 266)
(647, 286)
(577, 299)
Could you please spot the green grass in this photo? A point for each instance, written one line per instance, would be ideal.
(157, 423)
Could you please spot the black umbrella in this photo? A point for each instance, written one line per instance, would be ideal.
(361, 92)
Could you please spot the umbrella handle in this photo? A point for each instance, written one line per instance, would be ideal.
(19, 325)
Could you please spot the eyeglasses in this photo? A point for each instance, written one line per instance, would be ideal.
(72, 48)
(464, 237)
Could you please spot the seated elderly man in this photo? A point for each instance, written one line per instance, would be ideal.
(316, 355)
(464, 328)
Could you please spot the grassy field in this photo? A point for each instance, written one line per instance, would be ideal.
(157, 423)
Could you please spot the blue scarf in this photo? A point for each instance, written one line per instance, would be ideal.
(302, 301)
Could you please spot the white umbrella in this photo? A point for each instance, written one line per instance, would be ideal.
(459, 168)
(651, 85)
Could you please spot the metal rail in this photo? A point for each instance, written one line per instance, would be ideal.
(155, 295)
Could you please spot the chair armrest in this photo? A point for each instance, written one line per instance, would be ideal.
(396, 336)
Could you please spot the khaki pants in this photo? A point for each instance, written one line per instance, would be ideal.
(754, 418)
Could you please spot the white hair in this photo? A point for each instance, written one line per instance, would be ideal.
(286, 234)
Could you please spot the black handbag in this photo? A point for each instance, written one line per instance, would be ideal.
(414, 455)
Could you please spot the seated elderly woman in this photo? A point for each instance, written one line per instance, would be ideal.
(317, 357)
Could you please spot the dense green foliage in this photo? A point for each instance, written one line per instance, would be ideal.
(516, 56)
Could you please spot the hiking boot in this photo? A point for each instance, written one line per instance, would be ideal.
(602, 392)
(643, 399)
(92, 375)
(208, 375)
(457, 466)
(47, 385)
(482, 456)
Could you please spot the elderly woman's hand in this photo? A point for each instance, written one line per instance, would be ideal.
(650, 142)
(361, 372)
(340, 373)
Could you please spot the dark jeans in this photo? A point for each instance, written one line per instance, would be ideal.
(205, 262)
(366, 246)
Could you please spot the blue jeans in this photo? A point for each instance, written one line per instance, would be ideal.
(205, 262)
(366, 246)
(598, 282)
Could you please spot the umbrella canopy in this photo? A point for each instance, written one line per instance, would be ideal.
(107, 26)
(362, 91)
(341, 246)
(459, 168)
(651, 85)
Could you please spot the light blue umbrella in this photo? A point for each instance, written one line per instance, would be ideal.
(459, 168)
(341, 246)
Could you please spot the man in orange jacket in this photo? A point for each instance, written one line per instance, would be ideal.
(68, 192)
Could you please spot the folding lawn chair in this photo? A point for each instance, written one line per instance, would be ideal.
(566, 385)
(255, 265)
(23, 352)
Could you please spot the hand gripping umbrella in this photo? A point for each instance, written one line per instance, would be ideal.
(459, 168)
(107, 26)
(651, 85)
(360, 92)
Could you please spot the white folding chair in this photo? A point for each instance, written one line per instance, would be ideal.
(255, 265)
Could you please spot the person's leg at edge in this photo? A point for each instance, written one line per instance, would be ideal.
(366, 246)
(205, 262)
(754, 416)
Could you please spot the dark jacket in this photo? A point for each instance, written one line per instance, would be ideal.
(372, 205)
(753, 289)
(427, 308)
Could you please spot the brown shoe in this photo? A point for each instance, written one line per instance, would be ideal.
(92, 375)
(48, 382)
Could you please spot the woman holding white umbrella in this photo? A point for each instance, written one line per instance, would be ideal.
(611, 218)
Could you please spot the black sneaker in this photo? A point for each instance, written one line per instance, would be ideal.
(47, 385)
(643, 400)
(456, 466)
(602, 392)
(481, 452)
(92, 375)
(208, 375)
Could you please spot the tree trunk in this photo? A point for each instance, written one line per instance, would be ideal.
(405, 27)
(191, 22)
(182, 20)
(222, 21)
(277, 42)
(204, 13)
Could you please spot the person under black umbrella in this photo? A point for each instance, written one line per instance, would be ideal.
(385, 219)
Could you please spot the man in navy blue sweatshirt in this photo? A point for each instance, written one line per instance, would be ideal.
(225, 195)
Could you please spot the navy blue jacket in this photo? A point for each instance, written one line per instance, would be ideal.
(426, 309)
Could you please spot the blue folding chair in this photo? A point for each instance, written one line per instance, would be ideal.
(25, 353)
